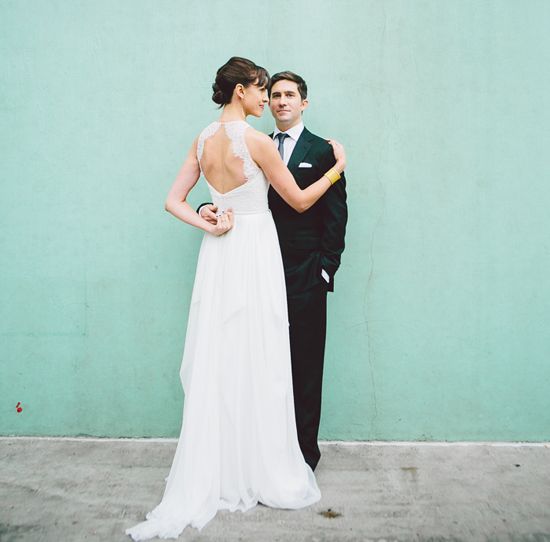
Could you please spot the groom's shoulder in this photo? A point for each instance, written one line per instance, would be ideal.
(320, 144)
(316, 140)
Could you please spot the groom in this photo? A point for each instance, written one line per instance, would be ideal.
(311, 245)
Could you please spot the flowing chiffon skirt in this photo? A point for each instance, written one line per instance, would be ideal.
(238, 444)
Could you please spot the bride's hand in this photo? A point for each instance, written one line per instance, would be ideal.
(208, 212)
(339, 154)
(224, 223)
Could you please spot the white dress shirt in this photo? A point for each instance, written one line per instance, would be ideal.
(290, 142)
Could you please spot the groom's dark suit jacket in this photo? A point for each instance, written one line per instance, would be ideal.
(312, 240)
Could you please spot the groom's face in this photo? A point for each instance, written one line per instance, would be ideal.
(286, 104)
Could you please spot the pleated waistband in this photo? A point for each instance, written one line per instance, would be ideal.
(263, 212)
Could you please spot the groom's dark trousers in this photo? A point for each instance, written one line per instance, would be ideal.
(311, 245)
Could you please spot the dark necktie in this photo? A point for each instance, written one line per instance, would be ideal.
(281, 137)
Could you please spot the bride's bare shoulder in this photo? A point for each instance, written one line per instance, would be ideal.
(257, 139)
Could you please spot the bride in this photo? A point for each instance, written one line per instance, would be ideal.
(238, 444)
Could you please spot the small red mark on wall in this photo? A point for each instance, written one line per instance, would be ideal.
(18, 407)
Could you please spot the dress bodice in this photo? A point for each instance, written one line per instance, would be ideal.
(251, 196)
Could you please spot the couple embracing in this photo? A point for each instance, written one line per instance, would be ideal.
(274, 235)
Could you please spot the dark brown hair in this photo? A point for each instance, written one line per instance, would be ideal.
(237, 70)
(290, 76)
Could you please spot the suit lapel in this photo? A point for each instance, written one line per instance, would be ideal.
(300, 150)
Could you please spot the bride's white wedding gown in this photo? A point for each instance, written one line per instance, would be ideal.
(238, 444)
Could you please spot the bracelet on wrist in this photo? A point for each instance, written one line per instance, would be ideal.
(332, 175)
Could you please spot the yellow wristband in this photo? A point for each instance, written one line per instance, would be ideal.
(332, 175)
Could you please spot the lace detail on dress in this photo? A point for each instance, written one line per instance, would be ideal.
(209, 131)
(235, 132)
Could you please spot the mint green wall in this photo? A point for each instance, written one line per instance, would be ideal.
(439, 327)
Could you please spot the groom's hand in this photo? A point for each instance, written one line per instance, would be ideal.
(208, 212)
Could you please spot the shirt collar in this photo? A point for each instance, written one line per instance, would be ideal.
(293, 132)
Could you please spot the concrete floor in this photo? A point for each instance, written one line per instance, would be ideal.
(57, 490)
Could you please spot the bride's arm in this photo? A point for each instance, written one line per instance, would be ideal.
(265, 154)
(177, 205)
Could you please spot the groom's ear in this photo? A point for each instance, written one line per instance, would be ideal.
(305, 103)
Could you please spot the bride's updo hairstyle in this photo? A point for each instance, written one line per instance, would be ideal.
(237, 70)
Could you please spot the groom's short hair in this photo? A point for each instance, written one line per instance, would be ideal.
(290, 76)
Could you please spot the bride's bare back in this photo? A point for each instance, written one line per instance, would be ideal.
(223, 169)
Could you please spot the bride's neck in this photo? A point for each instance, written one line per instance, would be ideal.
(233, 111)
